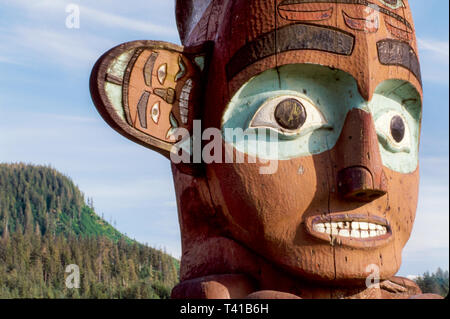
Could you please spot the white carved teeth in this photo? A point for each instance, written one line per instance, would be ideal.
(364, 226)
(351, 229)
(364, 234)
(344, 233)
(355, 234)
(184, 100)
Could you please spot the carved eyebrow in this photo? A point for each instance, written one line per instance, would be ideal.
(307, 37)
(142, 108)
(394, 52)
(360, 2)
(148, 68)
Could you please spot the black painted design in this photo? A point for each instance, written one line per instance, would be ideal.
(148, 68)
(288, 38)
(394, 52)
(391, 2)
(126, 84)
(394, 4)
(142, 109)
(113, 79)
(358, 2)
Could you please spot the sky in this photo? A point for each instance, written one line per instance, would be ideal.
(47, 116)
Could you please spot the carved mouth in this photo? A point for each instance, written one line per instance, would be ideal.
(360, 231)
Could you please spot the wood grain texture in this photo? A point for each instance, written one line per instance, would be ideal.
(250, 235)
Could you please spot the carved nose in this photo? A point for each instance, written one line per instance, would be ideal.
(356, 183)
(360, 175)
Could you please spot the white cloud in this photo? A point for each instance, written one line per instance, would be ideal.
(128, 192)
(412, 277)
(434, 58)
(7, 60)
(117, 21)
(100, 13)
(441, 48)
(42, 34)
(26, 45)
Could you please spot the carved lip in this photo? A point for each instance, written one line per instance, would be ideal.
(380, 228)
(300, 12)
(369, 25)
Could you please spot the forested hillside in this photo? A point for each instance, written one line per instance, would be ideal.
(46, 225)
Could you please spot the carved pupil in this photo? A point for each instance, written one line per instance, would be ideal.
(397, 128)
(290, 114)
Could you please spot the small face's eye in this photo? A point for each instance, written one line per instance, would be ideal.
(393, 4)
(393, 132)
(156, 113)
(398, 128)
(162, 73)
(290, 116)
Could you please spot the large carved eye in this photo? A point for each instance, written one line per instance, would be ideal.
(393, 132)
(393, 4)
(290, 116)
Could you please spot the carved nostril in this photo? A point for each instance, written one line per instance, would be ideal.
(356, 183)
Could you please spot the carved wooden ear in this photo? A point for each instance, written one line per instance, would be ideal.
(146, 90)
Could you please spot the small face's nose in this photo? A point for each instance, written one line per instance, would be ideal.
(360, 175)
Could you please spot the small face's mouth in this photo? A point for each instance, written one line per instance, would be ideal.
(359, 231)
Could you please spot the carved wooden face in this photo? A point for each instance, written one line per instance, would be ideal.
(339, 82)
(146, 91)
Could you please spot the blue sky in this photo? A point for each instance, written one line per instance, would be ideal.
(47, 116)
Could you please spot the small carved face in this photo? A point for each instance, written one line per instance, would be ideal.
(146, 90)
(151, 92)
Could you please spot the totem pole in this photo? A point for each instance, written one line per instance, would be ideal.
(338, 83)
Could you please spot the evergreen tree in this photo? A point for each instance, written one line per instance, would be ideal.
(436, 283)
(46, 225)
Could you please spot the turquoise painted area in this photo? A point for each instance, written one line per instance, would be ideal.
(395, 97)
(114, 93)
(333, 93)
(200, 61)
